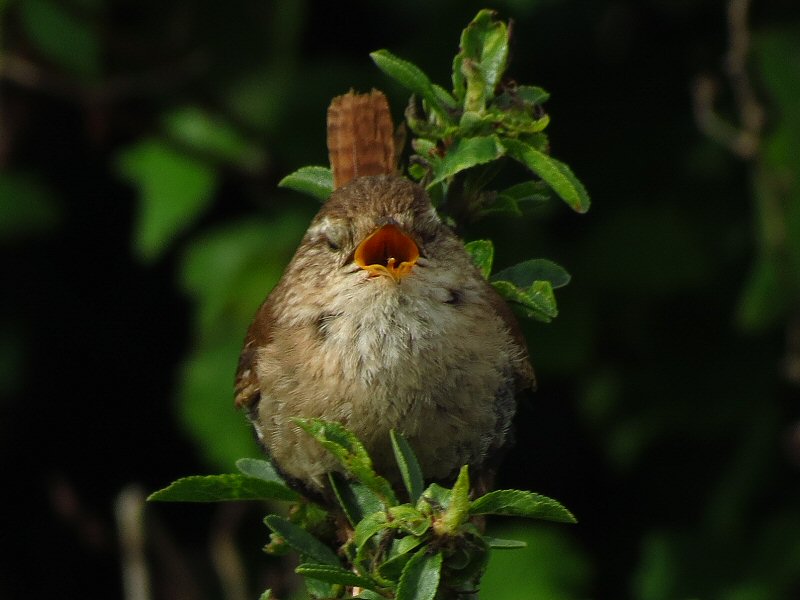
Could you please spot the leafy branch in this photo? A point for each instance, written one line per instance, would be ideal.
(461, 140)
(418, 550)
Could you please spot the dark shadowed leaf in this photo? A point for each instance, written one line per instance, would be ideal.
(409, 466)
(519, 503)
(302, 541)
(61, 36)
(356, 499)
(221, 488)
(337, 575)
(526, 273)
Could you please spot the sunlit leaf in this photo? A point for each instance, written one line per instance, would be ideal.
(537, 302)
(484, 44)
(412, 77)
(458, 509)
(368, 527)
(314, 181)
(466, 153)
(350, 452)
(482, 254)
(555, 173)
(408, 465)
(408, 518)
(519, 503)
(221, 488)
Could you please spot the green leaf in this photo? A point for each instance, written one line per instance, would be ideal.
(466, 153)
(457, 512)
(399, 554)
(484, 49)
(350, 452)
(302, 541)
(267, 595)
(260, 469)
(370, 595)
(409, 519)
(532, 95)
(420, 577)
(61, 36)
(314, 181)
(408, 464)
(202, 132)
(524, 274)
(435, 498)
(222, 488)
(519, 503)
(502, 544)
(537, 302)
(331, 574)
(412, 77)
(482, 254)
(553, 172)
(367, 527)
(175, 190)
(356, 499)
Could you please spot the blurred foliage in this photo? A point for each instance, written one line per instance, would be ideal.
(667, 414)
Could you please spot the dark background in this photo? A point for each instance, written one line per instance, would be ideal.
(141, 224)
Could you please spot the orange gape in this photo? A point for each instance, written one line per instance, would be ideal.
(360, 137)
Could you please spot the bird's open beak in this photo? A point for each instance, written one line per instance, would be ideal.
(387, 251)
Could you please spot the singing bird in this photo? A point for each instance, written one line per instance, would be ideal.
(381, 321)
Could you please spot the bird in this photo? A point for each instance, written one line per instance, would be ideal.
(381, 322)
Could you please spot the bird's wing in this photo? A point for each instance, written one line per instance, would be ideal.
(247, 390)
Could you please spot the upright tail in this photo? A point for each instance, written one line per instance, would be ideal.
(360, 137)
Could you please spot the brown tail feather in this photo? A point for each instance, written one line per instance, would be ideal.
(360, 137)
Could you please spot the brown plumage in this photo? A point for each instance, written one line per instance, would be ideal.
(381, 321)
(360, 137)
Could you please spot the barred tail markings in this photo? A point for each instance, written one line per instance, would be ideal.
(360, 137)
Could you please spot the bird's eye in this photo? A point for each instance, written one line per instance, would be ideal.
(332, 245)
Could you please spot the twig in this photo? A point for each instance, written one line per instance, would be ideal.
(225, 555)
(129, 510)
(744, 140)
(25, 73)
